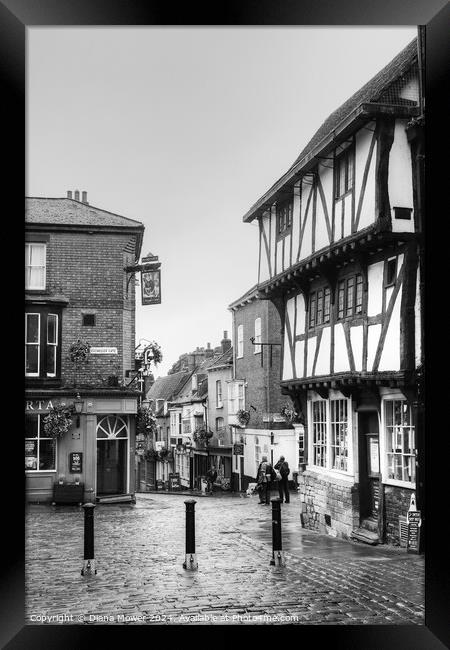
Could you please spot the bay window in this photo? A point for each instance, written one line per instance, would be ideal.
(42, 347)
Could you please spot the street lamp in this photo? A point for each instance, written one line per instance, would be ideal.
(78, 406)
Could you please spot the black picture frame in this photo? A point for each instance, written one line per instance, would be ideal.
(15, 16)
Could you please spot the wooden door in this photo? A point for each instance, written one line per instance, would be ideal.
(369, 465)
(111, 466)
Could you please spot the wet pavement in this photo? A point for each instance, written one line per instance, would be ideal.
(139, 551)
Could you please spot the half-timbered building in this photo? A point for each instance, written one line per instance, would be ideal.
(340, 258)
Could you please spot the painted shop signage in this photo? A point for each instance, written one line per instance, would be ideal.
(40, 405)
(103, 350)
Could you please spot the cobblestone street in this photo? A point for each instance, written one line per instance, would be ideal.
(139, 551)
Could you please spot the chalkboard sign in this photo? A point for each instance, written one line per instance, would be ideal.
(75, 462)
(414, 522)
(174, 481)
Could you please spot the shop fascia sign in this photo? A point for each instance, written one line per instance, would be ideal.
(40, 405)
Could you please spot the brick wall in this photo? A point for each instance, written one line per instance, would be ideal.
(263, 390)
(88, 269)
(328, 505)
(396, 503)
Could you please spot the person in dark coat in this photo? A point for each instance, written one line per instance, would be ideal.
(211, 476)
(283, 488)
(264, 477)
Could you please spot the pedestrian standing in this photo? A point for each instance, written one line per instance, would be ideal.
(265, 476)
(283, 487)
(211, 476)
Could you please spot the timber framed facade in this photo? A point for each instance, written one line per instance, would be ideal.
(342, 262)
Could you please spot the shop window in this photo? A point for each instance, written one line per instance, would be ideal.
(35, 266)
(42, 350)
(350, 296)
(400, 441)
(330, 423)
(40, 451)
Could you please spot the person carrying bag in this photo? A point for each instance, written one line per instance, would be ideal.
(283, 487)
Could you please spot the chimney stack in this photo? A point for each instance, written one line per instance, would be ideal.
(84, 198)
(225, 342)
(77, 195)
(69, 194)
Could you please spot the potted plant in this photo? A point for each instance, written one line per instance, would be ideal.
(78, 353)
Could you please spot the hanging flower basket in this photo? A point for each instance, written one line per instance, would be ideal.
(151, 454)
(79, 351)
(289, 413)
(58, 421)
(155, 353)
(243, 417)
(145, 421)
(202, 435)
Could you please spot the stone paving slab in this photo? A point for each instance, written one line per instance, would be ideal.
(139, 552)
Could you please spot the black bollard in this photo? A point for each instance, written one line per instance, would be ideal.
(277, 552)
(191, 559)
(89, 560)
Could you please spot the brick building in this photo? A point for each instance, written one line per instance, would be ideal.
(255, 388)
(77, 288)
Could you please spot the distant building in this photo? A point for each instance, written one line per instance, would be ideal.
(255, 389)
(76, 288)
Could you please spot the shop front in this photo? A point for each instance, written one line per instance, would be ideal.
(96, 451)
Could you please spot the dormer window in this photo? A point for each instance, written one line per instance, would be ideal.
(284, 216)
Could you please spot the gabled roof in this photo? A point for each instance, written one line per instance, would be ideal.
(248, 296)
(166, 387)
(371, 93)
(68, 212)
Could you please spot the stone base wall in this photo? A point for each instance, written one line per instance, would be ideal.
(396, 503)
(329, 505)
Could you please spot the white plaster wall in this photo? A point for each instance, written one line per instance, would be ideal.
(296, 221)
(288, 371)
(356, 339)
(312, 342)
(272, 226)
(363, 140)
(306, 248)
(264, 263)
(373, 336)
(348, 215)
(341, 362)
(375, 288)
(389, 291)
(279, 265)
(290, 309)
(300, 314)
(300, 358)
(324, 355)
(321, 235)
(390, 357)
(400, 178)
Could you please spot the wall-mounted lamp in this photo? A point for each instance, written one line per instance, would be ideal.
(78, 406)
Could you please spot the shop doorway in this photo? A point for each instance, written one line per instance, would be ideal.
(112, 455)
(369, 466)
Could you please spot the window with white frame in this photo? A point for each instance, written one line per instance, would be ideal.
(219, 402)
(240, 341)
(400, 441)
(236, 397)
(187, 426)
(42, 333)
(330, 426)
(257, 349)
(35, 265)
(339, 434)
(40, 451)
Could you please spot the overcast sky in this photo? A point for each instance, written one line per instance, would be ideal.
(184, 129)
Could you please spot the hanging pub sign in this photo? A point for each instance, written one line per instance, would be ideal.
(238, 449)
(75, 462)
(151, 286)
